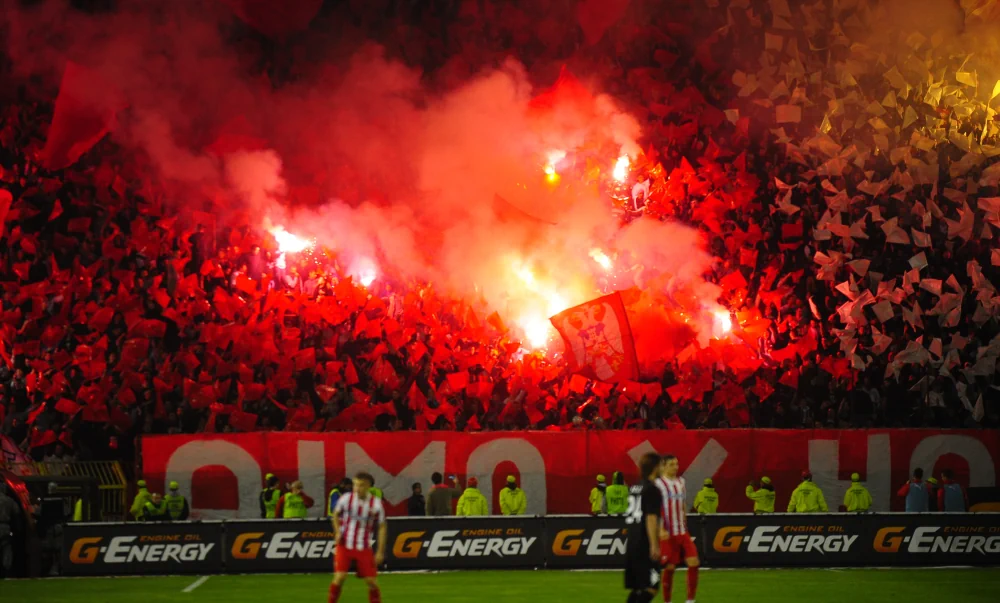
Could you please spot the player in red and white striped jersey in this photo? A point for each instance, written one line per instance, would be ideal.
(676, 542)
(356, 518)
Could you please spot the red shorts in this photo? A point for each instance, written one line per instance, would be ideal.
(674, 549)
(364, 561)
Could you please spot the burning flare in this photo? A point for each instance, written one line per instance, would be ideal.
(601, 258)
(289, 243)
(723, 322)
(554, 157)
(621, 168)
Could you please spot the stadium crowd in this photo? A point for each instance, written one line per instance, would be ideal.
(846, 190)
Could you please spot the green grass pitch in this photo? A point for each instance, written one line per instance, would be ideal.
(743, 586)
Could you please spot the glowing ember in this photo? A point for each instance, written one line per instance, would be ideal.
(601, 258)
(723, 322)
(289, 243)
(621, 168)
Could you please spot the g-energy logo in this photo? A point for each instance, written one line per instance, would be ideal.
(600, 543)
(936, 539)
(140, 549)
(498, 542)
(283, 545)
(783, 539)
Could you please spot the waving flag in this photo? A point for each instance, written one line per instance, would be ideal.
(84, 113)
(599, 342)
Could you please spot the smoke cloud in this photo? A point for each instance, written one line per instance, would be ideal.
(362, 156)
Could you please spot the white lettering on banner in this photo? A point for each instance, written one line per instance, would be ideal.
(604, 542)
(285, 545)
(982, 472)
(191, 457)
(121, 550)
(926, 540)
(444, 545)
(312, 474)
(824, 464)
(764, 540)
(485, 459)
(396, 488)
(708, 461)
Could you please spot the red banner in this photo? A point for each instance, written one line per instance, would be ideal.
(223, 474)
(598, 339)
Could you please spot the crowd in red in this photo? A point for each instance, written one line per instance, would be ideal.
(119, 318)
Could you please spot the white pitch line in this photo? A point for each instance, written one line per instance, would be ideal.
(196, 584)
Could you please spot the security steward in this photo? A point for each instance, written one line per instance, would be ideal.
(706, 501)
(294, 504)
(269, 497)
(156, 509)
(617, 495)
(177, 505)
(857, 499)
(763, 499)
(807, 497)
(512, 499)
(138, 509)
(598, 498)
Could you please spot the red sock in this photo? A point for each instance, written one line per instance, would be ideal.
(374, 595)
(334, 593)
(668, 585)
(692, 582)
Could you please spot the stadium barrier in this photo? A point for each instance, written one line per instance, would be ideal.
(556, 542)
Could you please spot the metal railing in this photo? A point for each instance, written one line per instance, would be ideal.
(112, 485)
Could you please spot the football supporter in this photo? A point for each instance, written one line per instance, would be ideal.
(643, 560)
(441, 496)
(675, 540)
(416, 506)
(359, 516)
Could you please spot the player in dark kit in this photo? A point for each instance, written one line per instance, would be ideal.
(642, 520)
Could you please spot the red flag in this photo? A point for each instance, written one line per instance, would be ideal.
(599, 340)
(43, 438)
(578, 384)
(68, 407)
(5, 200)
(416, 397)
(84, 113)
(597, 16)
(351, 373)
(458, 381)
(242, 421)
(497, 323)
(305, 359)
